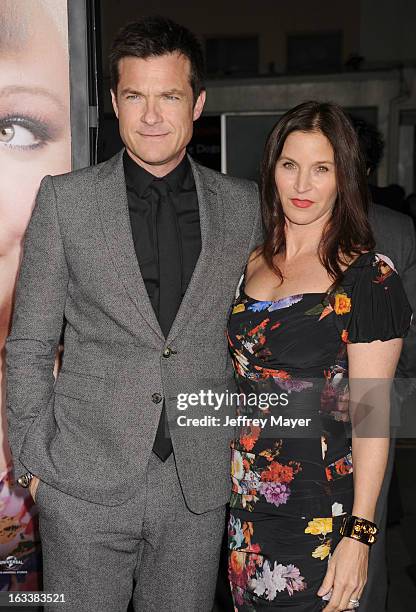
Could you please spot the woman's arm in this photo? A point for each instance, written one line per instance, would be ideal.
(371, 369)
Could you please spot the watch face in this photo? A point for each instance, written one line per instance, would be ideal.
(25, 480)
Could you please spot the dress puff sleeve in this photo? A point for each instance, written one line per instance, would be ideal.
(371, 304)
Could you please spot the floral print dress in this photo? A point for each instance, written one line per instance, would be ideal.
(292, 465)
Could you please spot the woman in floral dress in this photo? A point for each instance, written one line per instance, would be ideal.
(316, 305)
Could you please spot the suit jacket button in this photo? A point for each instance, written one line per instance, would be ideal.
(156, 398)
(167, 352)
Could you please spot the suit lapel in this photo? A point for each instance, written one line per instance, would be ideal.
(211, 216)
(112, 204)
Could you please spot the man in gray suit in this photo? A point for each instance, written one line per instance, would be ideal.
(140, 257)
(395, 237)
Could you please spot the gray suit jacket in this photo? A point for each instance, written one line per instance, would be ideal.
(90, 434)
(395, 237)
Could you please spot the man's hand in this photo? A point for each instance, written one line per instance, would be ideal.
(33, 486)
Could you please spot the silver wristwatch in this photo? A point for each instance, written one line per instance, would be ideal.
(24, 481)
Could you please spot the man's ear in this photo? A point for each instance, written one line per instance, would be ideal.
(114, 102)
(199, 104)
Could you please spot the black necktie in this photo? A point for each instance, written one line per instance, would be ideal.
(169, 254)
(170, 279)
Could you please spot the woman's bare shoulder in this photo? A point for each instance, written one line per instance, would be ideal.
(256, 255)
(255, 261)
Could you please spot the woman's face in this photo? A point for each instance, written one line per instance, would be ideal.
(34, 116)
(306, 178)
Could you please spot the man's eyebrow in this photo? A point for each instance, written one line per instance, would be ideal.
(12, 90)
(129, 90)
(132, 90)
(174, 90)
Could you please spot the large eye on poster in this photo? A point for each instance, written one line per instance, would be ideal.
(35, 140)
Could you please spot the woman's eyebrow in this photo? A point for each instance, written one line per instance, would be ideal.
(288, 158)
(11, 90)
(316, 162)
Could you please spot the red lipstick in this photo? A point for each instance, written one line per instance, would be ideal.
(301, 203)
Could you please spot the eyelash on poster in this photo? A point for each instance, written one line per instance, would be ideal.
(37, 127)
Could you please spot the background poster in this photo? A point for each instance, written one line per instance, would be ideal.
(35, 140)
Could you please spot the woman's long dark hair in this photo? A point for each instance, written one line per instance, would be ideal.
(348, 232)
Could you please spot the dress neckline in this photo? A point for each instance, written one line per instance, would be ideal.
(282, 299)
(288, 297)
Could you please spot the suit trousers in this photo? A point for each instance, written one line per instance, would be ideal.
(151, 549)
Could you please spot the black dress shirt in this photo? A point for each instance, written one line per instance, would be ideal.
(143, 205)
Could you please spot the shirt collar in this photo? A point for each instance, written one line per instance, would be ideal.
(139, 179)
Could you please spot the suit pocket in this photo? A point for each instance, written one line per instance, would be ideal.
(84, 387)
(38, 488)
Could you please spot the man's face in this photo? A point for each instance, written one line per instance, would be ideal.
(155, 108)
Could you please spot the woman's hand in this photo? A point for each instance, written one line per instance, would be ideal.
(346, 574)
